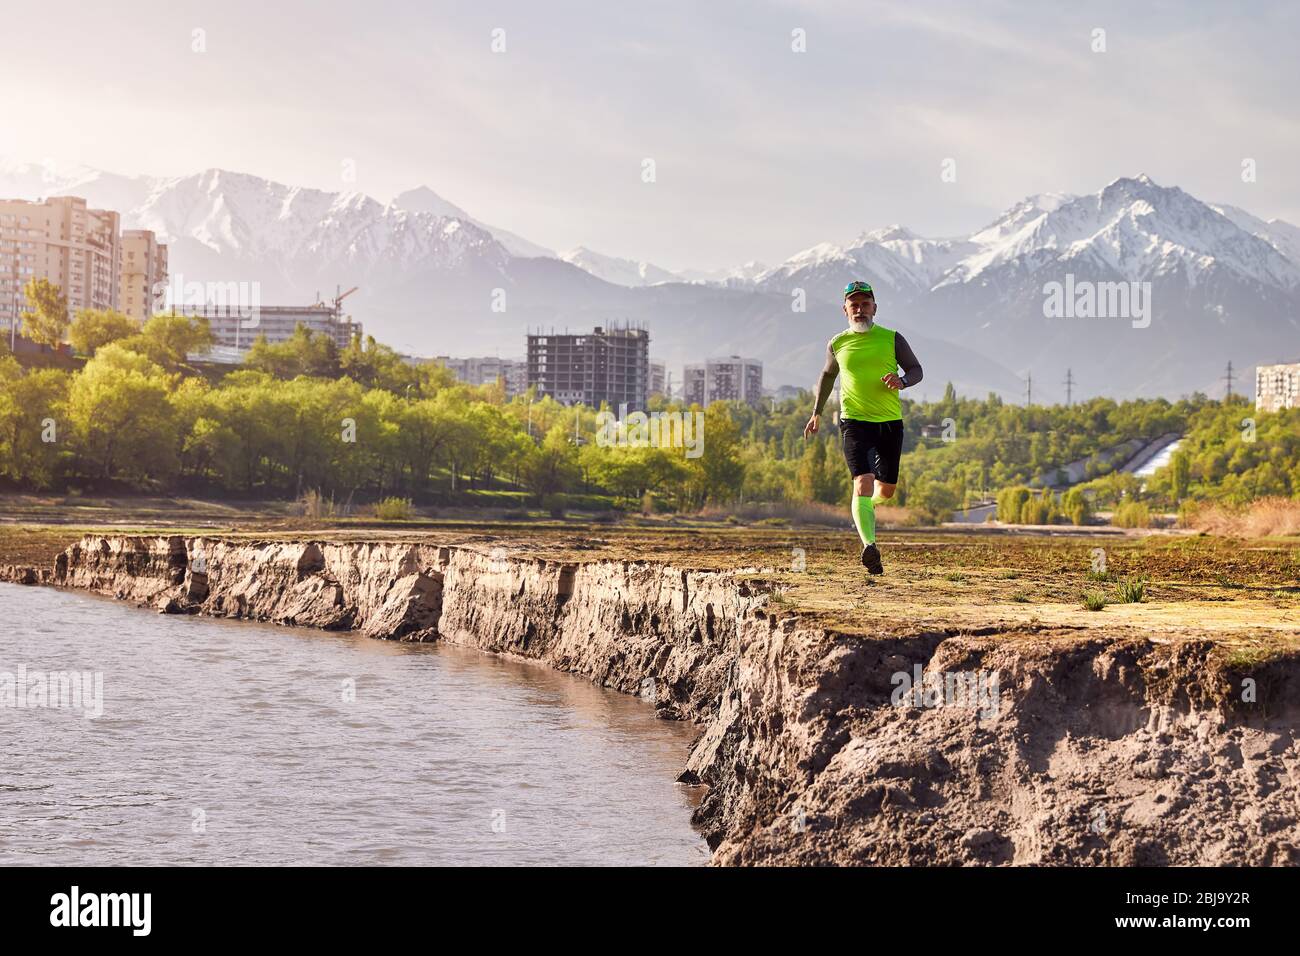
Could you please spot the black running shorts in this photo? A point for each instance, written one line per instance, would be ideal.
(873, 448)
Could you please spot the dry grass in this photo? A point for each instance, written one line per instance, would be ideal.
(812, 513)
(1261, 519)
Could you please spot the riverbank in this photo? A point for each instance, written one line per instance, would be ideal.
(1155, 732)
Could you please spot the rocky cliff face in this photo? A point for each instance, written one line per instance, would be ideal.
(817, 747)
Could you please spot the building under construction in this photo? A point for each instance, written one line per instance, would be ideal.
(608, 364)
(236, 325)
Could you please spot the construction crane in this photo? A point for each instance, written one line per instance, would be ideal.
(338, 298)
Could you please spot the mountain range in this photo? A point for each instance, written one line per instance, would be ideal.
(434, 280)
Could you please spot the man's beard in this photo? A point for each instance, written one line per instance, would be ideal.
(860, 325)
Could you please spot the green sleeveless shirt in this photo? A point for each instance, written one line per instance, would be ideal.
(863, 358)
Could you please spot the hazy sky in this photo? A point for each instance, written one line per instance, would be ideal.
(759, 151)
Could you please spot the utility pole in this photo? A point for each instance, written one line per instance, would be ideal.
(1029, 389)
(1069, 387)
(1229, 379)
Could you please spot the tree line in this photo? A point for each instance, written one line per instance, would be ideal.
(360, 422)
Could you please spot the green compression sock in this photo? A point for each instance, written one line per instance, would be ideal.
(864, 517)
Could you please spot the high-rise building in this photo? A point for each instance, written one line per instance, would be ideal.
(59, 239)
(694, 390)
(658, 378)
(237, 328)
(732, 378)
(609, 365)
(144, 273)
(487, 370)
(1277, 387)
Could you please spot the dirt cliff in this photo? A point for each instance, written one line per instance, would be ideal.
(917, 746)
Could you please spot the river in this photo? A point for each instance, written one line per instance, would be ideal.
(225, 742)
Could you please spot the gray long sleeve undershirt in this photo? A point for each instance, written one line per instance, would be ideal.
(904, 357)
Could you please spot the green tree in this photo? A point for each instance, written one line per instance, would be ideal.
(32, 423)
(433, 377)
(1011, 502)
(554, 468)
(95, 327)
(250, 415)
(815, 480)
(717, 473)
(303, 353)
(1180, 476)
(377, 366)
(1074, 503)
(933, 501)
(168, 338)
(46, 320)
(1039, 508)
(122, 421)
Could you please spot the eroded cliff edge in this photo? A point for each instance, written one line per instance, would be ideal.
(1099, 750)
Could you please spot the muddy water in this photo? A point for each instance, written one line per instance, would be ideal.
(234, 743)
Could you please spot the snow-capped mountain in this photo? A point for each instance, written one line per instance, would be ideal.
(1224, 284)
(897, 261)
(626, 272)
(245, 217)
(741, 276)
(237, 216)
(1132, 226)
(37, 180)
(1282, 236)
(425, 200)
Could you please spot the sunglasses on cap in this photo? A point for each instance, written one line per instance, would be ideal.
(853, 287)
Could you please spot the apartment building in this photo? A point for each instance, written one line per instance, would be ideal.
(658, 378)
(487, 370)
(144, 273)
(59, 239)
(609, 364)
(724, 379)
(1277, 387)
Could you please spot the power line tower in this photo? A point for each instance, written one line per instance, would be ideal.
(1228, 378)
(1029, 389)
(1069, 387)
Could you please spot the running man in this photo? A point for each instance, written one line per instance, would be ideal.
(867, 358)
